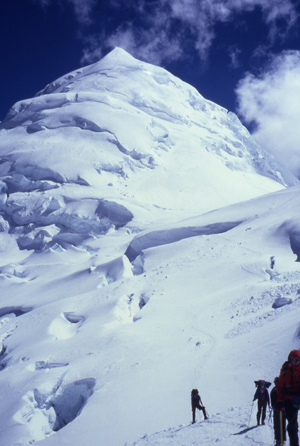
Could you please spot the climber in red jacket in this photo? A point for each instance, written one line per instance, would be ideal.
(288, 393)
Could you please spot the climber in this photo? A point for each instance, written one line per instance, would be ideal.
(262, 397)
(288, 393)
(196, 400)
(279, 417)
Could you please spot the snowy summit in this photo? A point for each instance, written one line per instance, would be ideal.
(149, 246)
(137, 134)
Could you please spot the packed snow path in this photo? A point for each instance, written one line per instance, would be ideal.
(98, 331)
(222, 429)
(112, 306)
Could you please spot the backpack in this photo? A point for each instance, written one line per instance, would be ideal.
(262, 382)
(284, 367)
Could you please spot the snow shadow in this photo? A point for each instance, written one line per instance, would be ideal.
(131, 307)
(73, 318)
(60, 221)
(115, 213)
(17, 311)
(291, 230)
(3, 353)
(143, 300)
(67, 403)
(167, 236)
(70, 403)
(43, 365)
(297, 334)
(8, 312)
(295, 244)
(112, 271)
(66, 325)
(281, 302)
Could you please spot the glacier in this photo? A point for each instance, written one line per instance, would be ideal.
(131, 147)
(138, 221)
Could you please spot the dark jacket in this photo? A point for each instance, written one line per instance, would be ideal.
(195, 400)
(262, 395)
(274, 402)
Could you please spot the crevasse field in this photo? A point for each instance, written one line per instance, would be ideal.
(148, 246)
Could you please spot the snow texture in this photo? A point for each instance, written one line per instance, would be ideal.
(148, 246)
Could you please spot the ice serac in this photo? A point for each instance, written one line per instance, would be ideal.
(125, 280)
(128, 133)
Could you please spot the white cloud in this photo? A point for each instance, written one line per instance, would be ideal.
(93, 49)
(234, 55)
(153, 46)
(187, 24)
(83, 10)
(272, 101)
(182, 24)
(202, 16)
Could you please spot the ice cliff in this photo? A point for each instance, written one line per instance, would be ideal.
(117, 143)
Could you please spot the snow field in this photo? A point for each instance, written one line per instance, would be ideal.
(118, 294)
(196, 303)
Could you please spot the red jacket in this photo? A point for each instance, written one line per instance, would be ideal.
(289, 379)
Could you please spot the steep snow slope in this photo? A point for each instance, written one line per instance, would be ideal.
(123, 140)
(115, 354)
(224, 429)
(117, 296)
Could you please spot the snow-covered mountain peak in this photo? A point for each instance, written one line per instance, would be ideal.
(116, 295)
(123, 134)
(90, 78)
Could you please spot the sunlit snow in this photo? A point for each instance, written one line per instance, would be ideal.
(148, 246)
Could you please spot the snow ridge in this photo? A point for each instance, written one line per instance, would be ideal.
(148, 246)
(93, 137)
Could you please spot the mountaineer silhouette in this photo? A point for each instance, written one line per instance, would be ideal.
(196, 400)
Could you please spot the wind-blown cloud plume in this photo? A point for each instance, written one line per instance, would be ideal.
(164, 30)
(272, 102)
(83, 10)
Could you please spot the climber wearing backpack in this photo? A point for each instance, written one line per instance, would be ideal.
(196, 400)
(262, 397)
(279, 418)
(288, 393)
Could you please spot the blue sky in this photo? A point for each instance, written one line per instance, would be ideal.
(241, 54)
